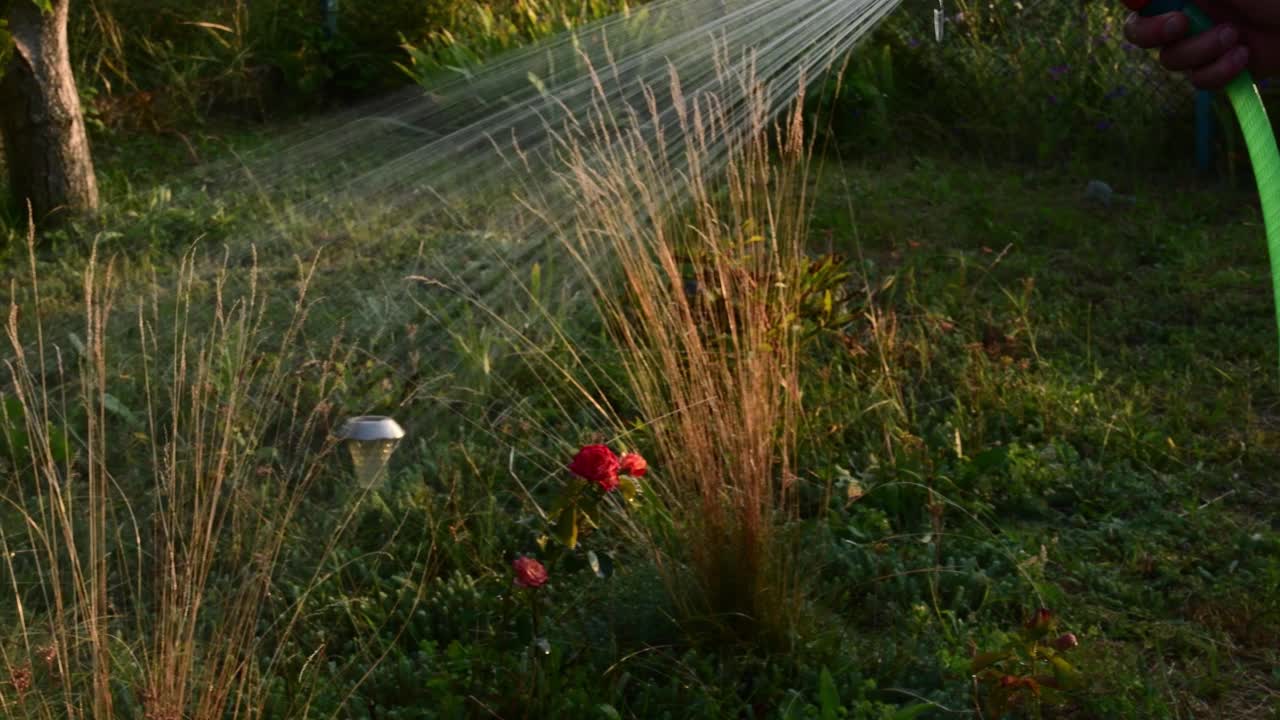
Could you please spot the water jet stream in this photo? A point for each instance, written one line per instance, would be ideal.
(424, 159)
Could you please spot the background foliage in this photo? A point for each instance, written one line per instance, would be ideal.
(1041, 81)
(174, 61)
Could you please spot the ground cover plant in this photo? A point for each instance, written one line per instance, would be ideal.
(995, 429)
(1012, 455)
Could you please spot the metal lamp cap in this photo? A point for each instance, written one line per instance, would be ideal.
(366, 428)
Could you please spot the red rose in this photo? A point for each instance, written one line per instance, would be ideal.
(634, 465)
(597, 464)
(529, 572)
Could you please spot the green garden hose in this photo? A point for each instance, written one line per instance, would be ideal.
(1258, 137)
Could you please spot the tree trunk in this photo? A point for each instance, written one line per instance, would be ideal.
(45, 144)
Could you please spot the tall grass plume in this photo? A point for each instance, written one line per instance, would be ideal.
(694, 247)
(156, 467)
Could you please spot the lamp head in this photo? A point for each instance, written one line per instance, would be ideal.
(370, 439)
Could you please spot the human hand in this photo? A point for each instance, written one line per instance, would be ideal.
(1246, 37)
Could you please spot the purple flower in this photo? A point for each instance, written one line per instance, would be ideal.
(912, 42)
(1053, 99)
(1118, 91)
(1057, 71)
(1103, 125)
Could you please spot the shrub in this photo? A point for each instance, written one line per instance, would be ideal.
(157, 65)
(467, 32)
(1044, 81)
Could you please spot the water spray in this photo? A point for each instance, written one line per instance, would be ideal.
(442, 168)
(455, 169)
(1254, 124)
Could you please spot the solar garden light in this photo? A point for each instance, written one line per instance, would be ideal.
(370, 439)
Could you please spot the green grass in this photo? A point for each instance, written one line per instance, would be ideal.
(1097, 383)
(1036, 401)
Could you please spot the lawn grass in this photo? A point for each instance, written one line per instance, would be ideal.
(1098, 385)
(1034, 401)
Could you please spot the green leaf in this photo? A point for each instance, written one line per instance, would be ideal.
(828, 696)
(13, 436)
(117, 408)
(59, 447)
(609, 711)
(985, 660)
(629, 488)
(567, 497)
(1066, 674)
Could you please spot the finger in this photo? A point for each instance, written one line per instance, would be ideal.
(1155, 31)
(1217, 74)
(1201, 50)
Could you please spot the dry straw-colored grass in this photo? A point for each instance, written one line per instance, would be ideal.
(140, 548)
(694, 246)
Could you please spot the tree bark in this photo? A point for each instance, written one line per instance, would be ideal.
(46, 147)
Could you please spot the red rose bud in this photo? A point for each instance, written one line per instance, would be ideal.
(1041, 621)
(529, 572)
(1066, 642)
(633, 465)
(1010, 681)
(597, 464)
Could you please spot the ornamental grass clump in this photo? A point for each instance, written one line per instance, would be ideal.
(693, 246)
(153, 479)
